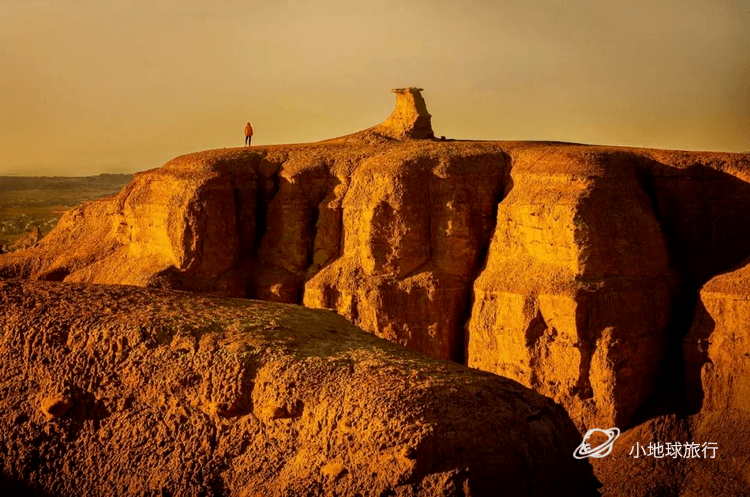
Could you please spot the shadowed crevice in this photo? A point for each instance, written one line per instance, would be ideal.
(506, 187)
(700, 211)
(696, 355)
(54, 275)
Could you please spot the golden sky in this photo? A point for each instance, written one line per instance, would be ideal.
(92, 86)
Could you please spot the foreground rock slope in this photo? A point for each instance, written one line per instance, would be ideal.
(572, 269)
(116, 390)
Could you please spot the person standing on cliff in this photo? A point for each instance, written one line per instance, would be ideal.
(248, 134)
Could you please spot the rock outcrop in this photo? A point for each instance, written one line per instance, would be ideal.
(115, 390)
(415, 226)
(572, 269)
(389, 225)
(717, 349)
(717, 360)
(410, 119)
(577, 293)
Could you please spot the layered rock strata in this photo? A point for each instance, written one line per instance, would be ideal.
(576, 294)
(117, 390)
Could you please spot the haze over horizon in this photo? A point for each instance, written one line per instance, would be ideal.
(96, 87)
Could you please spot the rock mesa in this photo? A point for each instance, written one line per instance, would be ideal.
(572, 269)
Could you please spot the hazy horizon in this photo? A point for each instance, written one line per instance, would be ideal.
(101, 87)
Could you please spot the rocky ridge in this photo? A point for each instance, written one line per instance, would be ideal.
(116, 390)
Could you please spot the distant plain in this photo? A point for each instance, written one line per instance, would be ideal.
(29, 202)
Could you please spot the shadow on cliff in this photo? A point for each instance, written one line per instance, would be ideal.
(564, 440)
(695, 356)
(703, 214)
(298, 232)
(481, 261)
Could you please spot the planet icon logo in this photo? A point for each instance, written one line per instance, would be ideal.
(602, 450)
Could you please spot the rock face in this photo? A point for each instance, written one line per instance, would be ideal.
(120, 390)
(576, 295)
(409, 119)
(415, 226)
(717, 349)
(717, 359)
(572, 269)
(586, 292)
(364, 229)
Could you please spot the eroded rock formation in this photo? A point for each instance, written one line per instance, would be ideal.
(575, 298)
(573, 269)
(115, 390)
(718, 345)
(409, 119)
(415, 227)
(388, 227)
(717, 357)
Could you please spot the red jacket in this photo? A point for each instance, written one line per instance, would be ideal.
(248, 129)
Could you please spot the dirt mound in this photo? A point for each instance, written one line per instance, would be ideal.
(115, 390)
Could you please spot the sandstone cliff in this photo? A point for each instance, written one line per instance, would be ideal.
(572, 269)
(718, 345)
(126, 391)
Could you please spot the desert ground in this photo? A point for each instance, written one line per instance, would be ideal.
(388, 313)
